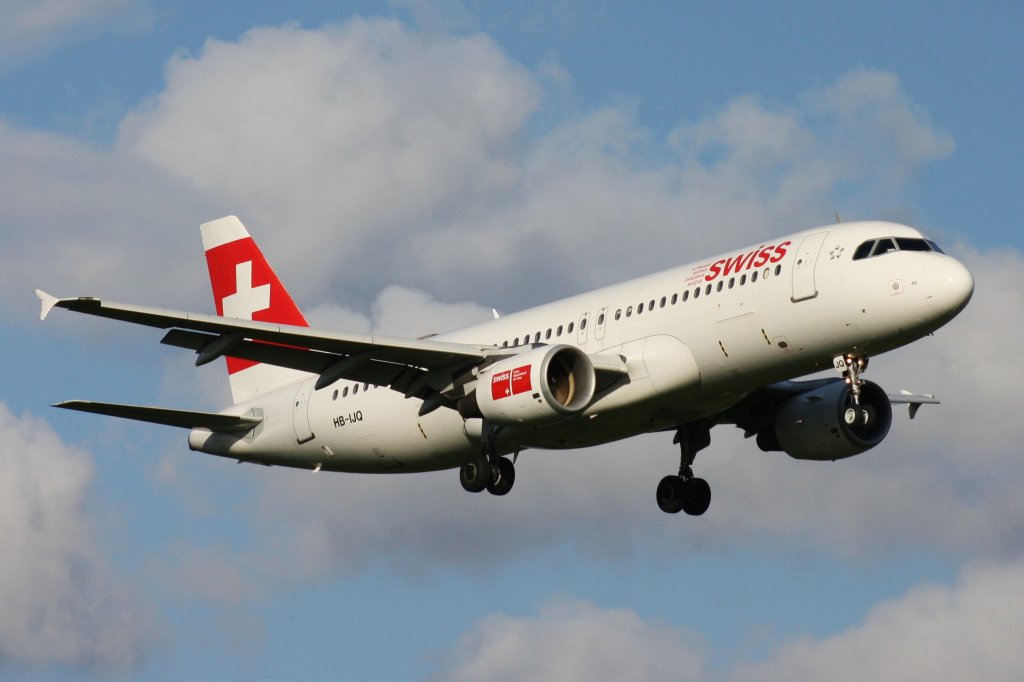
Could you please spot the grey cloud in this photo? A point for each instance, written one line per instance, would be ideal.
(62, 601)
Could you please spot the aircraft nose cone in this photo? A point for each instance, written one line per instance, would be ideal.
(950, 287)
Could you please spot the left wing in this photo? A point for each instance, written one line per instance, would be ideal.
(434, 371)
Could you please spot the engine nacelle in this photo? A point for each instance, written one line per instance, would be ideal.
(824, 424)
(538, 387)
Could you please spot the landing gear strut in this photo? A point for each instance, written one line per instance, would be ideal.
(851, 367)
(685, 492)
(487, 470)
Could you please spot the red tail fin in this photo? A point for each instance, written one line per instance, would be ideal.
(245, 287)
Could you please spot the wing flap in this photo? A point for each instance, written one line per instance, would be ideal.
(168, 417)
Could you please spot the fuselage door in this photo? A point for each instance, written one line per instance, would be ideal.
(581, 334)
(599, 327)
(300, 415)
(804, 286)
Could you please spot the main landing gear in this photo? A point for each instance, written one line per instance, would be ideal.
(487, 470)
(686, 492)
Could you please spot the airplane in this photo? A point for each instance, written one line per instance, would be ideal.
(721, 340)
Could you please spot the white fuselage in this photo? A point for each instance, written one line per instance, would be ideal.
(695, 339)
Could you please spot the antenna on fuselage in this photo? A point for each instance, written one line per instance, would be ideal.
(839, 218)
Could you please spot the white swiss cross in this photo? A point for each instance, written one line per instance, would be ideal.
(247, 299)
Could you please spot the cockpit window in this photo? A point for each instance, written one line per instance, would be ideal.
(864, 250)
(907, 244)
(883, 246)
(877, 247)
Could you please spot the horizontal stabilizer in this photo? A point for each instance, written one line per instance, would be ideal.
(914, 401)
(161, 415)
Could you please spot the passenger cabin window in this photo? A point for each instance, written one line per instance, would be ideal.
(569, 330)
(583, 323)
(559, 332)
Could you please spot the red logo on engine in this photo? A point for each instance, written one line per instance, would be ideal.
(511, 382)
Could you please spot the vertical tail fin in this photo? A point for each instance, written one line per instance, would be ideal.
(245, 287)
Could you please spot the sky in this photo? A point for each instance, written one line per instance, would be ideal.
(406, 167)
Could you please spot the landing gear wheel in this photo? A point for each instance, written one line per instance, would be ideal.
(670, 494)
(685, 492)
(475, 474)
(502, 483)
(696, 496)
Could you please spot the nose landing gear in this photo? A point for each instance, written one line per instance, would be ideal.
(685, 492)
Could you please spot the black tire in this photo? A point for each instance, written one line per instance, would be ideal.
(670, 494)
(506, 478)
(475, 475)
(696, 496)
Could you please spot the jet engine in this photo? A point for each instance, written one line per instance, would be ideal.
(538, 387)
(826, 424)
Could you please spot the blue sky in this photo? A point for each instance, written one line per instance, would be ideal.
(408, 166)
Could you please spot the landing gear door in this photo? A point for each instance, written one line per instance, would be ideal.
(804, 286)
(300, 415)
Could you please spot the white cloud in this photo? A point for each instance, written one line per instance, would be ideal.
(368, 155)
(572, 640)
(387, 173)
(968, 631)
(961, 632)
(62, 602)
(32, 25)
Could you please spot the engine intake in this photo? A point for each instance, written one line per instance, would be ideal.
(538, 387)
(824, 424)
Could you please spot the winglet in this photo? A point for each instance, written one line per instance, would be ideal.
(48, 303)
